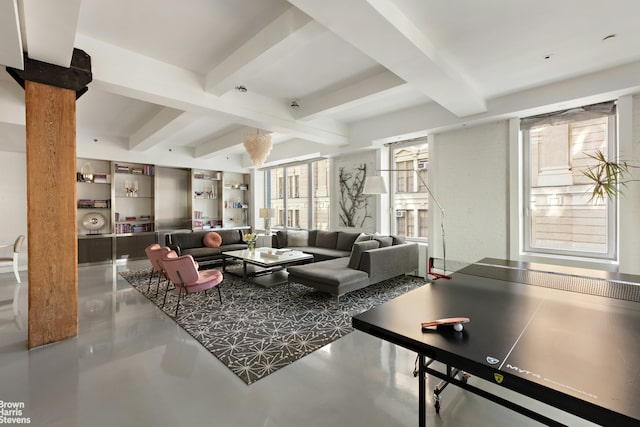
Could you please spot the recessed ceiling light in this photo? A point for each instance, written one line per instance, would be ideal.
(241, 89)
(548, 56)
(609, 37)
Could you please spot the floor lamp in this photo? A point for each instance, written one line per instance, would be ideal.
(376, 185)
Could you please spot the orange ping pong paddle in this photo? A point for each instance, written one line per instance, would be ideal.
(456, 322)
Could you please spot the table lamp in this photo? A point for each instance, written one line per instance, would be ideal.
(267, 214)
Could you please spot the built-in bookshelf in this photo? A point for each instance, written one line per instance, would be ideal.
(206, 188)
(236, 199)
(118, 202)
(93, 179)
(133, 198)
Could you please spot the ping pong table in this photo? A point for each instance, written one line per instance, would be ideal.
(556, 335)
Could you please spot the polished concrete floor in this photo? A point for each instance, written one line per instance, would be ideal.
(132, 366)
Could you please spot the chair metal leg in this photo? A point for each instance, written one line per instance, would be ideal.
(158, 287)
(166, 290)
(219, 293)
(16, 293)
(149, 282)
(178, 304)
(15, 270)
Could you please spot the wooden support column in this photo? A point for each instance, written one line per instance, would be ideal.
(51, 212)
(50, 100)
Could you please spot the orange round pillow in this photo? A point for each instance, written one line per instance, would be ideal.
(212, 240)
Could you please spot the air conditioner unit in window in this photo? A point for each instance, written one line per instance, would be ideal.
(399, 214)
(423, 165)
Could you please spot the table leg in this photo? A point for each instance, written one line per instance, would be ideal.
(244, 270)
(422, 389)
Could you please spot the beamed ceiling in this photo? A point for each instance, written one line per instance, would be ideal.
(165, 73)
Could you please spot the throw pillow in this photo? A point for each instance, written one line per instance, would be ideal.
(363, 237)
(358, 249)
(346, 240)
(384, 240)
(398, 240)
(297, 238)
(212, 240)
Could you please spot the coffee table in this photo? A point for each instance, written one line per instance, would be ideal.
(264, 269)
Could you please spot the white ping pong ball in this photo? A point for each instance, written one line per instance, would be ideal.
(457, 327)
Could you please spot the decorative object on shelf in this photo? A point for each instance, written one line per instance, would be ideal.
(267, 214)
(93, 221)
(86, 172)
(131, 188)
(250, 239)
(212, 192)
(258, 146)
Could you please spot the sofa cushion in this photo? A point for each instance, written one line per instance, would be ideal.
(202, 252)
(297, 238)
(358, 250)
(230, 236)
(233, 247)
(331, 274)
(346, 240)
(187, 240)
(326, 239)
(281, 237)
(384, 240)
(312, 237)
(321, 254)
(212, 240)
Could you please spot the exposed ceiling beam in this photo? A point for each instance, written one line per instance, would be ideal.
(347, 97)
(223, 142)
(50, 30)
(159, 127)
(263, 49)
(126, 73)
(399, 45)
(11, 45)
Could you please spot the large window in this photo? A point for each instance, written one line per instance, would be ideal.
(288, 191)
(561, 217)
(410, 197)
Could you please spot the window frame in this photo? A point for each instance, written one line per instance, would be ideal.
(289, 188)
(612, 206)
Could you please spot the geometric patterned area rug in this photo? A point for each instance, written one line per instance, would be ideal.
(257, 331)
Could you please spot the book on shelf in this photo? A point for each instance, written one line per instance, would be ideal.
(102, 178)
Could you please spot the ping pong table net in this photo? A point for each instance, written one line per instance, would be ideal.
(622, 287)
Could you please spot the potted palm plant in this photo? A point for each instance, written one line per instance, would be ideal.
(608, 176)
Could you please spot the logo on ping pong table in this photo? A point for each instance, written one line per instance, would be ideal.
(498, 377)
(492, 360)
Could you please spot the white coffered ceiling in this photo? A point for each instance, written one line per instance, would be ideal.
(165, 72)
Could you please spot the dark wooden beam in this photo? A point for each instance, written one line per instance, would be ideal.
(76, 77)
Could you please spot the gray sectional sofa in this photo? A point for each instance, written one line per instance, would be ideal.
(193, 244)
(371, 259)
(323, 245)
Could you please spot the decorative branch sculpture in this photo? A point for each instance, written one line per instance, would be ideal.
(353, 204)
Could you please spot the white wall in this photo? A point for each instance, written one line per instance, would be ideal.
(13, 202)
(469, 176)
(629, 130)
